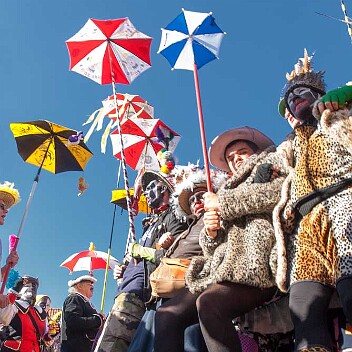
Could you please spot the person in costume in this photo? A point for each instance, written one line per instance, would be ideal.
(80, 319)
(25, 323)
(188, 204)
(238, 269)
(315, 213)
(9, 196)
(134, 291)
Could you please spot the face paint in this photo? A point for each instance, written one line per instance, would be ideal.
(300, 102)
(154, 193)
(29, 293)
(196, 202)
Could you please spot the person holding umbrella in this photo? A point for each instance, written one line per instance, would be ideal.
(238, 270)
(133, 291)
(9, 196)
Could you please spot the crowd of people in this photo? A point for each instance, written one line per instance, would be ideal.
(267, 248)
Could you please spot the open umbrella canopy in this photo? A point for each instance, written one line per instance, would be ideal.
(129, 106)
(142, 140)
(118, 197)
(89, 260)
(50, 146)
(109, 51)
(191, 38)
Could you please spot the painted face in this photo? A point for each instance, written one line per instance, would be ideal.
(3, 212)
(154, 193)
(300, 101)
(293, 122)
(86, 288)
(28, 292)
(237, 153)
(45, 303)
(196, 202)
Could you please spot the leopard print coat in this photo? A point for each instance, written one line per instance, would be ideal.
(245, 250)
(320, 245)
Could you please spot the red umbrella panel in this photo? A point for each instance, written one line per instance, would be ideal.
(142, 140)
(109, 51)
(89, 260)
(128, 107)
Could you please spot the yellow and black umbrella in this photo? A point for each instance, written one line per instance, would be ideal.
(118, 197)
(50, 146)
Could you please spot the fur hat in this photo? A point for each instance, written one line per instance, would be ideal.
(189, 180)
(149, 176)
(9, 194)
(80, 279)
(303, 75)
(220, 143)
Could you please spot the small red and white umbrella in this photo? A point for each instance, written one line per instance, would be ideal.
(129, 107)
(142, 140)
(109, 51)
(89, 260)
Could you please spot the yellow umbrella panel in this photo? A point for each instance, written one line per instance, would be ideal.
(47, 145)
(118, 197)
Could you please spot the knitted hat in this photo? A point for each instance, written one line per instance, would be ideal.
(190, 180)
(9, 194)
(220, 143)
(80, 279)
(303, 75)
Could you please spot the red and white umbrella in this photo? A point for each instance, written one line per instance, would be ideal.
(109, 51)
(128, 107)
(89, 260)
(142, 140)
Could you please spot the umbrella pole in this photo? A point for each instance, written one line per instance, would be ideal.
(29, 201)
(202, 130)
(8, 268)
(107, 263)
(131, 234)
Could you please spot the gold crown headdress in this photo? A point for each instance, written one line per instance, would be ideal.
(304, 75)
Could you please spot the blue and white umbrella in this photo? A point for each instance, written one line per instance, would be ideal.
(189, 42)
(191, 38)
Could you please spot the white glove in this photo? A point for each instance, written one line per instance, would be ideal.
(118, 271)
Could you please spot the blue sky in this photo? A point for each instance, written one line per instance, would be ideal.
(264, 39)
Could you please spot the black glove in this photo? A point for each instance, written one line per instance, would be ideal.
(264, 173)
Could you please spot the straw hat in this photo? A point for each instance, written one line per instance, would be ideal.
(80, 279)
(9, 194)
(150, 176)
(220, 143)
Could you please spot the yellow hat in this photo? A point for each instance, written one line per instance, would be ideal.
(9, 194)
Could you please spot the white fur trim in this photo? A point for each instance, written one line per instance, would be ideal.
(82, 278)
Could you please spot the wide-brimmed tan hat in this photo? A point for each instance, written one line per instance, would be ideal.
(219, 144)
(9, 194)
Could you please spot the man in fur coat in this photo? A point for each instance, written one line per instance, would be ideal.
(238, 269)
(316, 205)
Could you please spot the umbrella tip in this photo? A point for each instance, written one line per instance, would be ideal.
(91, 246)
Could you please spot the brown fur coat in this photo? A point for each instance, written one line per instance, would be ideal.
(245, 249)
